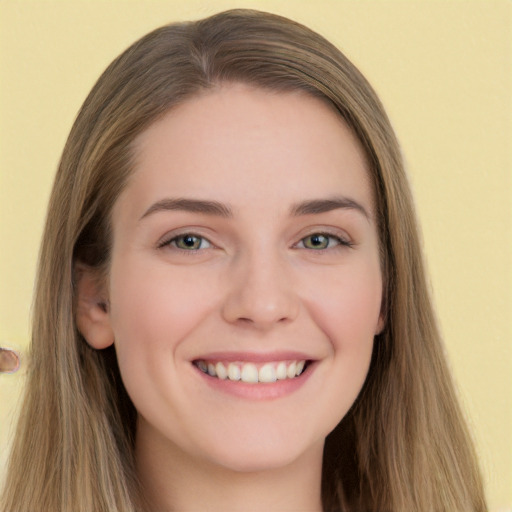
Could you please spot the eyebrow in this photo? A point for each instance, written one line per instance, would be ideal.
(309, 207)
(317, 206)
(189, 205)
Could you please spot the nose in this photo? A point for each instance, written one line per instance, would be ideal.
(261, 293)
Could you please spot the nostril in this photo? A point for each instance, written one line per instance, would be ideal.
(9, 361)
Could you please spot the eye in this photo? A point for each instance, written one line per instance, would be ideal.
(188, 242)
(320, 241)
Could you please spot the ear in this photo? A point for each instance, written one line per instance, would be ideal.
(92, 310)
(382, 320)
(381, 323)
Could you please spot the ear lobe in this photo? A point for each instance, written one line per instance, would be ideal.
(383, 315)
(381, 323)
(92, 314)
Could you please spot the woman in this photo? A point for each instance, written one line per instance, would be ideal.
(231, 308)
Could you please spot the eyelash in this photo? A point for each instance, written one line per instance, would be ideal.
(339, 242)
(173, 242)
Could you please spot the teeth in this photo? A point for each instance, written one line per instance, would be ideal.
(234, 372)
(267, 373)
(249, 372)
(291, 370)
(221, 371)
(281, 370)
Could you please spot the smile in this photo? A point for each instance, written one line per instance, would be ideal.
(250, 372)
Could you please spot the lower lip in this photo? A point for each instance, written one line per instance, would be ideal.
(260, 390)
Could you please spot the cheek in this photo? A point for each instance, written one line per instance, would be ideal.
(152, 312)
(348, 308)
(154, 308)
(348, 314)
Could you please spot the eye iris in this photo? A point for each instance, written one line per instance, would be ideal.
(317, 242)
(188, 242)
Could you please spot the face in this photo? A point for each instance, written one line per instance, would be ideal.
(245, 284)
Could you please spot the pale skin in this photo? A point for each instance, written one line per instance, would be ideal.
(246, 233)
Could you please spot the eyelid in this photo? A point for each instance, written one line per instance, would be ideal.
(344, 240)
(168, 239)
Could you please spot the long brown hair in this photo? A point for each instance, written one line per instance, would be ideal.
(403, 446)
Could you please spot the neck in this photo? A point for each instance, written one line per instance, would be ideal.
(173, 480)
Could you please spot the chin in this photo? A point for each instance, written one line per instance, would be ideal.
(259, 454)
(256, 463)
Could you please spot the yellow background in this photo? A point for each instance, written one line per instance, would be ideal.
(443, 70)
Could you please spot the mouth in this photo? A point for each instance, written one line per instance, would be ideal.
(251, 372)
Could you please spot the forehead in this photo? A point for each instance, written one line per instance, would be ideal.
(238, 141)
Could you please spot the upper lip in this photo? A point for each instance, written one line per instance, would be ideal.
(254, 357)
